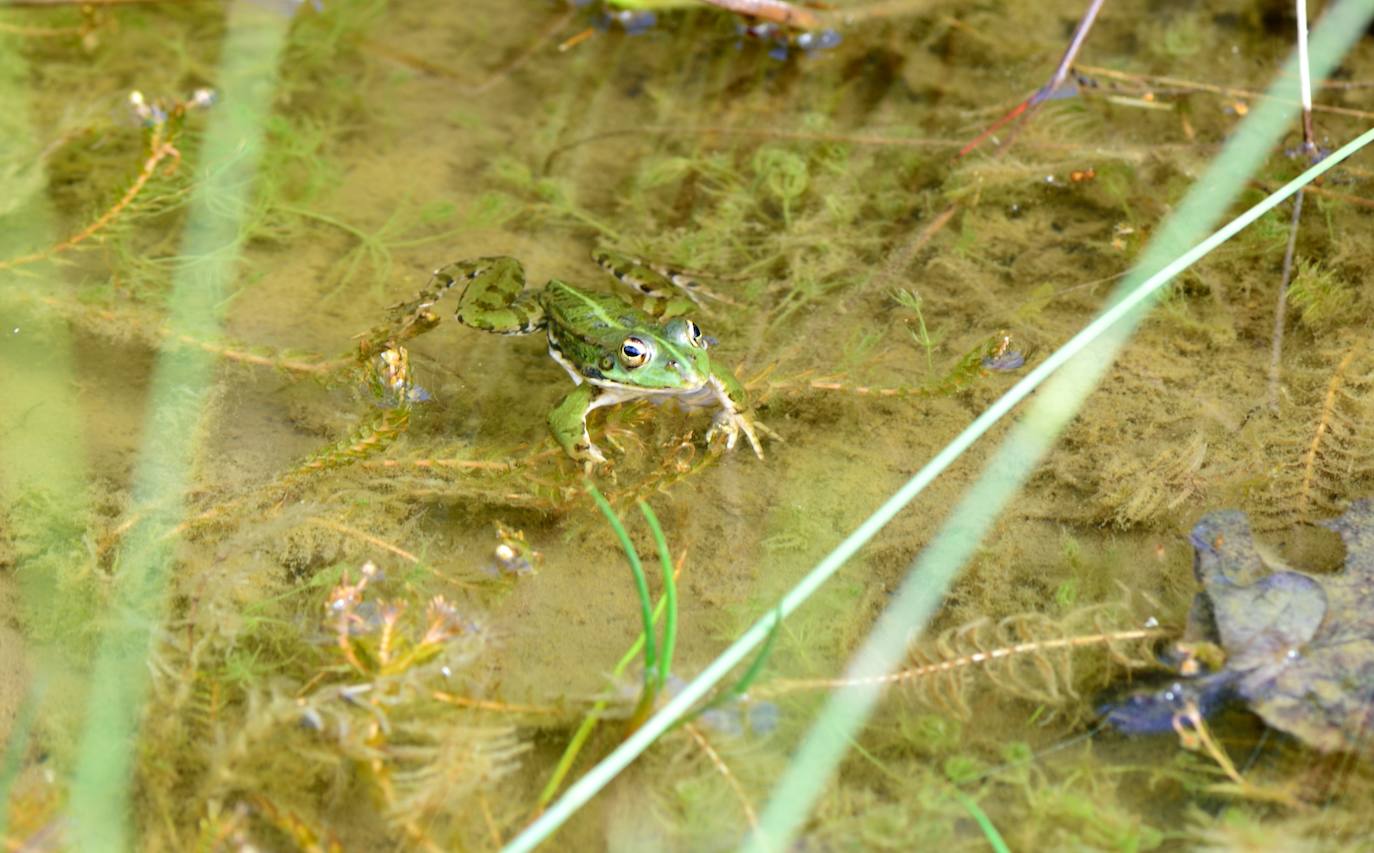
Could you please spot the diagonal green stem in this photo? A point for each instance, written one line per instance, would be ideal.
(588, 725)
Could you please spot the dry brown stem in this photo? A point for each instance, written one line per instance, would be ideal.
(1324, 424)
(788, 685)
(724, 769)
(160, 149)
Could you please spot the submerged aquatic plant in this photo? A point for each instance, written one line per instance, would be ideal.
(385, 699)
(808, 224)
(1031, 656)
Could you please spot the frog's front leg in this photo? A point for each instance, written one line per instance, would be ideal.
(568, 422)
(733, 416)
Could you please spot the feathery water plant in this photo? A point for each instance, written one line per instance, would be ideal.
(932, 573)
(810, 265)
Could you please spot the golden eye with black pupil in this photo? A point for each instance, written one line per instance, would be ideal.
(694, 335)
(634, 352)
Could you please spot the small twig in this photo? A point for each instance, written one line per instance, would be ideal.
(896, 263)
(161, 150)
(364, 536)
(1309, 147)
(129, 322)
(493, 831)
(1309, 142)
(724, 770)
(1281, 308)
(1228, 91)
(491, 705)
(1029, 106)
(477, 464)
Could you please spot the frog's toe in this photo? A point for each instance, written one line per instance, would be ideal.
(588, 452)
(726, 426)
(768, 431)
(749, 432)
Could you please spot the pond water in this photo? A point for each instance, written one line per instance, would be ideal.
(219, 538)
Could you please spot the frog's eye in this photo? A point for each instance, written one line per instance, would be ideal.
(634, 352)
(694, 335)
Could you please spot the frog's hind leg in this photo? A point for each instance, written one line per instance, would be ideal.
(441, 281)
(494, 297)
(672, 293)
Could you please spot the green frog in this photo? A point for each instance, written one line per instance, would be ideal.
(612, 350)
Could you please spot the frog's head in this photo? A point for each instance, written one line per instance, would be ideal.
(670, 358)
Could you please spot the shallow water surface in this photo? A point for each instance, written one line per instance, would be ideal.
(298, 684)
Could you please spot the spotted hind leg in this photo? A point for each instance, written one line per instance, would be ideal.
(493, 297)
(667, 292)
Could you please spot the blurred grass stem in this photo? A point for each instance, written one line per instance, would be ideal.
(100, 798)
(44, 477)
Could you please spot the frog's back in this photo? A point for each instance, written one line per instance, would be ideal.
(570, 307)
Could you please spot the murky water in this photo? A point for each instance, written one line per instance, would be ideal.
(810, 192)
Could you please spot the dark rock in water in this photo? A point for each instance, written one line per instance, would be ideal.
(1299, 648)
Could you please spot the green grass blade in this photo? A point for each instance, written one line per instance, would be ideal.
(980, 817)
(641, 584)
(665, 559)
(44, 477)
(588, 724)
(756, 666)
